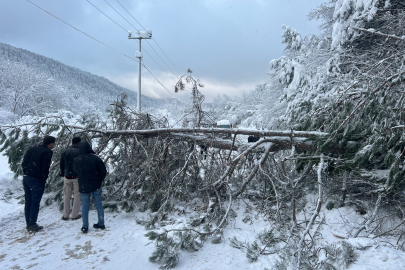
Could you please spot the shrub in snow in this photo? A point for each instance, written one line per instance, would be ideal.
(168, 247)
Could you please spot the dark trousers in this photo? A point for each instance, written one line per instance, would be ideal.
(34, 189)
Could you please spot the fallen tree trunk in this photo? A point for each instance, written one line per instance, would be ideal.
(210, 136)
(213, 131)
(280, 143)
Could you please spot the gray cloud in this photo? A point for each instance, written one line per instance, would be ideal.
(227, 43)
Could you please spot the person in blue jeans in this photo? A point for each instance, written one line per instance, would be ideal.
(91, 173)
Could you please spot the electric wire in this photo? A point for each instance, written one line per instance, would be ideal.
(120, 14)
(146, 41)
(160, 57)
(138, 41)
(131, 15)
(106, 15)
(101, 43)
(166, 55)
(152, 38)
(179, 76)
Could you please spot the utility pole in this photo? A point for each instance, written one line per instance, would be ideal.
(138, 54)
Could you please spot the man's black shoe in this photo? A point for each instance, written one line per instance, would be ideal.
(96, 226)
(34, 228)
(84, 229)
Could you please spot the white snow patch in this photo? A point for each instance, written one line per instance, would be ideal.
(223, 122)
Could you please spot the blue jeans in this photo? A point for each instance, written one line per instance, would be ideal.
(85, 198)
(34, 189)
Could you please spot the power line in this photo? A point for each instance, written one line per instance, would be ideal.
(146, 40)
(142, 47)
(100, 43)
(159, 56)
(126, 31)
(79, 30)
(158, 80)
(150, 45)
(131, 15)
(159, 65)
(106, 15)
(120, 14)
(166, 55)
(152, 38)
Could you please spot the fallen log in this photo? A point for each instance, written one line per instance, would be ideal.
(207, 136)
(213, 131)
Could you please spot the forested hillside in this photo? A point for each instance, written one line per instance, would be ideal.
(35, 84)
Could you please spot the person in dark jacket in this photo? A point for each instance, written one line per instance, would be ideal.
(253, 138)
(70, 182)
(91, 171)
(36, 163)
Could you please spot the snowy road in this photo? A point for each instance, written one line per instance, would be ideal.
(121, 246)
(62, 245)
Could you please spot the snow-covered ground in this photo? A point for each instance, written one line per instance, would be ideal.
(123, 244)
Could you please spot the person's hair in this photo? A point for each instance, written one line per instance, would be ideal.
(76, 140)
(48, 140)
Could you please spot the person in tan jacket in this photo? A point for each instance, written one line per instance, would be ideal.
(70, 180)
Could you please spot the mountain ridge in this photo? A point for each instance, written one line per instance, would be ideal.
(82, 84)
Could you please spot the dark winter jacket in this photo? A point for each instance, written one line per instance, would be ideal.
(253, 138)
(90, 169)
(37, 161)
(66, 161)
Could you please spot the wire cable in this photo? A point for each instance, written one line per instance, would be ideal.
(101, 43)
(179, 76)
(147, 43)
(152, 38)
(138, 41)
(126, 31)
(120, 15)
(106, 15)
(166, 55)
(131, 15)
(160, 57)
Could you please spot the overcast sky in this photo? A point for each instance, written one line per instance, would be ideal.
(227, 43)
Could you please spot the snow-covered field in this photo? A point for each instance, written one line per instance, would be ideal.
(123, 244)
